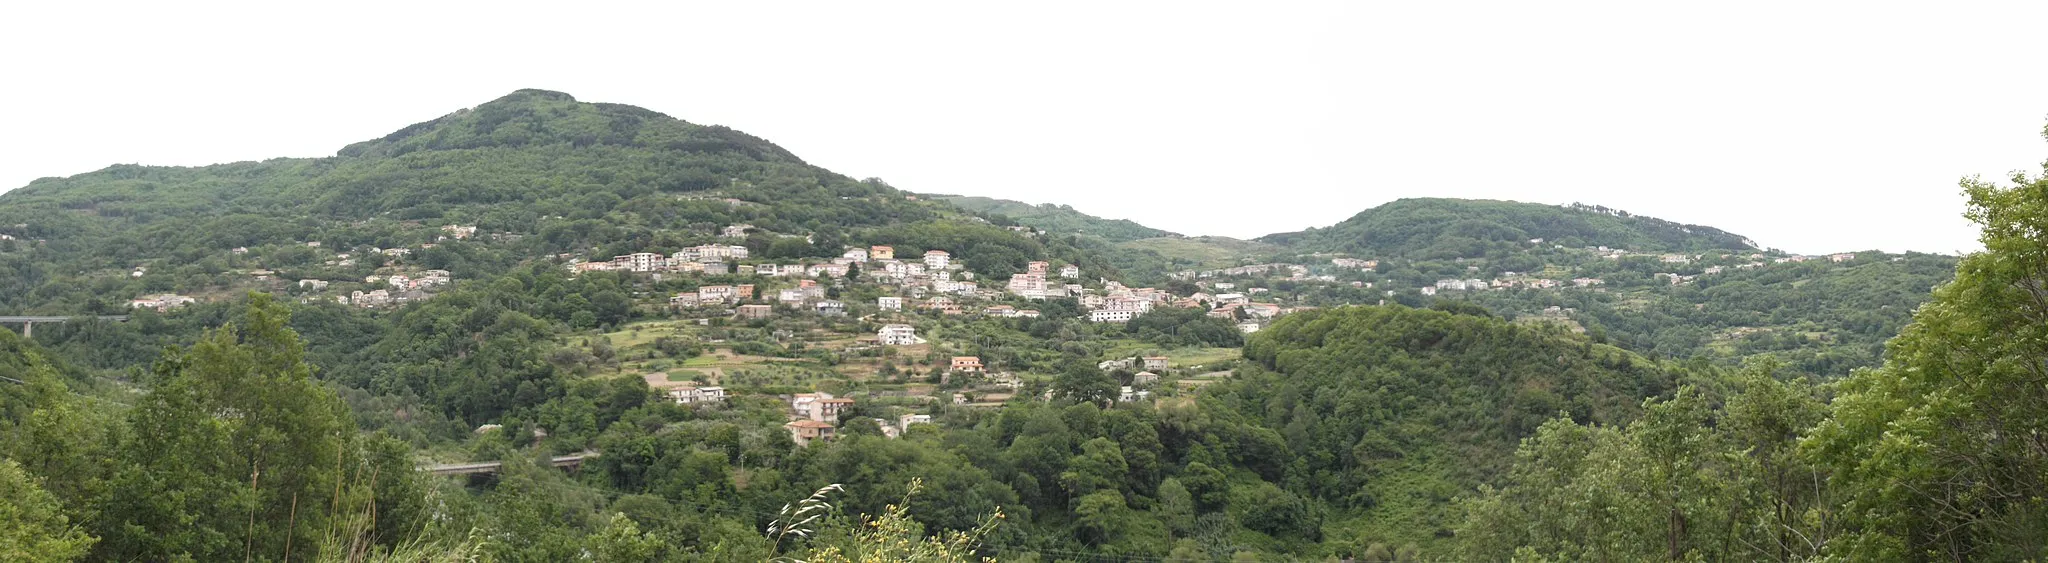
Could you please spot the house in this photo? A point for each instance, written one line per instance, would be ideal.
(955, 287)
(1004, 311)
(1070, 271)
(1144, 378)
(1037, 267)
(742, 292)
(641, 262)
(898, 335)
(1120, 309)
(1006, 380)
(1231, 299)
(1029, 286)
(904, 422)
(1248, 327)
(966, 364)
(683, 300)
(1155, 362)
(879, 252)
(831, 308)
(716, 268)
(1262, 310)
(889, 428)
(937, 259)
(168, 301)
(372, 299)
(715, 294)
(1844, 257)
(1126, 394)
(857, 255)
(735, 231)
(889, 303)
(690, 395)
(827, 410)
(827, 270)
(317, 285)
(459, 231)
(755, 311)
(794, 295)
(821, 407)
(803, 432)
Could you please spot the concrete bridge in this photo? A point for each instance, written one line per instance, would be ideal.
(28, 324)
(567, 461)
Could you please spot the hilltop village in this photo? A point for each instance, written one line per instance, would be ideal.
(894, 292)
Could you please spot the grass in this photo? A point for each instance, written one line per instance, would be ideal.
(1210, 252)
(1180, 358)
(642, 333)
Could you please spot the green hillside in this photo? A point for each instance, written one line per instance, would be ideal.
(1448, 391)
(1388, 411)
(1061, 219)
(538, 174)
(1445, 228)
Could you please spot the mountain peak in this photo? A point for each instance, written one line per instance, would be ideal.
(533, 117)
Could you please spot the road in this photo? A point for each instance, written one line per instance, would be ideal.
(572, 460)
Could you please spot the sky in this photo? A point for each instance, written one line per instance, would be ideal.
(1809, 127)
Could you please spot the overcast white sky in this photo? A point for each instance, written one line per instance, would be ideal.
(1809, 127)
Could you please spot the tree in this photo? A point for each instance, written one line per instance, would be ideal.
(32, 523)
(1939, 450)
(1081, 382)
(1176, 507)
(621, 541)
(236, 451)
(893, 536)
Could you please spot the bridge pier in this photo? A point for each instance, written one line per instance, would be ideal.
(28, 330)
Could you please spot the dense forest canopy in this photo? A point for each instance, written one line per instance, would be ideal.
(1447, 228)
(1057, 218)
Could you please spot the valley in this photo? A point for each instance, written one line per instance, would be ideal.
(731, 329)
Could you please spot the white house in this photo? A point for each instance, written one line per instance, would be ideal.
(898, 335)
(889, 303)
(937, 259)
(690, 395)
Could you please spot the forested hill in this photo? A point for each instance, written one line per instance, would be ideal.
(1385, 412)
(1057, 218)
(537, 173)
(1449, 228)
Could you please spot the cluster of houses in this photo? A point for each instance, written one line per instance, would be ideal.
(814, 417)
(1295, 271)
(160, 302)
(708, 259)
(401, 289)
(1147, 377)
(1355, 263)
(458, 232)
